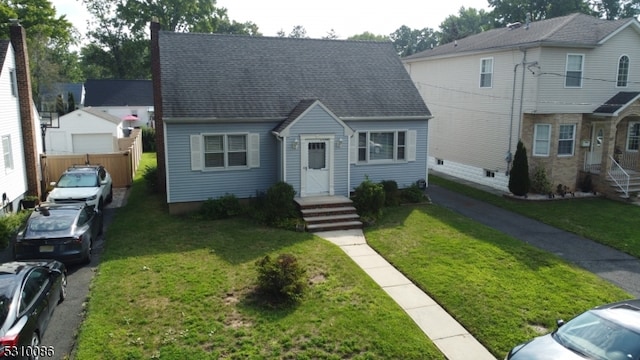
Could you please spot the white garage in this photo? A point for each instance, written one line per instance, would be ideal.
(84, 131)
(93, 143)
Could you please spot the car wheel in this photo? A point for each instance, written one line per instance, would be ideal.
(35, 343)
(87, 255)
(110, 196)
(63, 288)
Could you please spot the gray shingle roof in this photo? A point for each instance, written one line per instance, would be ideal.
(572, 31)
(231, 76)
(118, 92)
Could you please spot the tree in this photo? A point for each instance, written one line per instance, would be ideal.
(48, 39)
(71, 102)
(468, 22)
(116, 50)
(369, 36)
(298, 32)
(60, 108)
(331, 35)
(510, 11)
(616, 9)
(519, 182)
(407, 41)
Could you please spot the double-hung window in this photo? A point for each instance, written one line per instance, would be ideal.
(633, 136)
(573, 74)
(541, 139)
(7, 152)
(566, 139)
(623, 71)
(383, 146)
(486, 72)
(225, 150)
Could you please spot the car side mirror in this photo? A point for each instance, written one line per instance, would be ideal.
(55, 272)
(559, 322)
(53, 183)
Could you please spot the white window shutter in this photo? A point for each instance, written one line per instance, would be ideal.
(353, 148)
(196, 152)
(254, 150)
(412, 137)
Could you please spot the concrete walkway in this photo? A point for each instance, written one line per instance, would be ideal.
(453, 340)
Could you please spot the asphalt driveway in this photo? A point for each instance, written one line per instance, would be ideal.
(63, 326)
(612, 265)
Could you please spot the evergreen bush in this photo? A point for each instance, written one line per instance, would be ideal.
(223, 207)
(278, 204)
(540, 183)
(148, 139)
(150, 176)
(519, 182)
(391, 192)
(369, 199)
(281, 280)
(9, 226)
(413, 194)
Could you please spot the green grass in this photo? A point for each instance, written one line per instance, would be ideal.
(606, 221)
(501, 289)
(172, 287)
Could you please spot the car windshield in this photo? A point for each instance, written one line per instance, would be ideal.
(50, 223)
(597, 338)
(73, 180)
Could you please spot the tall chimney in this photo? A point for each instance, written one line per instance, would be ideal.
(25, 104)
(157, 106)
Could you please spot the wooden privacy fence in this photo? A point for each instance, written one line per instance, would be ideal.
(121, 165)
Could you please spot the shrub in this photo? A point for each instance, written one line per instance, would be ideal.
(281, 280)
(223, 207)
(369, 199)
(150, 176)
(9, 226)
(586, 183)
(278, 204)
(148, 139)
(391, 193)
(519, 182)
(540, 184)
(413, 194)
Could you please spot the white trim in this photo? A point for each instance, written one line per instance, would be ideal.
(490, 72)
(566, 70)
(631, 125)
(628, 71)
(330, 141)
(573, 140)
(535, 138)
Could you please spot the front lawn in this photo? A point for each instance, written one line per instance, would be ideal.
(173, 287)
(501, 289)
(609, 222)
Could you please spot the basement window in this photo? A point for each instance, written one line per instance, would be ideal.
(440, 161)
(489, 173)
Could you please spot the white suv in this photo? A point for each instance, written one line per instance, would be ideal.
(90, 184)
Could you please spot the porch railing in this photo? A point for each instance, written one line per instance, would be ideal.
(628, 160)
(619, 176)
(592, 162)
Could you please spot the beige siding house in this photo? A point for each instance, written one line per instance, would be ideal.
(567, 87)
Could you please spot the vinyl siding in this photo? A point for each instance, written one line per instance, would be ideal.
(12, 181)
(404, 173)
(318, 121)
(600, 73)
(185, 185)
(471, 125)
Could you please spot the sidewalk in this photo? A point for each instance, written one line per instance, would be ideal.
(453, 340)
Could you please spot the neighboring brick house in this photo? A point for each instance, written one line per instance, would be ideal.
(565, 86)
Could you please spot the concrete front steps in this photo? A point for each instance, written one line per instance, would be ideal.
(634, 186)
(326, 213)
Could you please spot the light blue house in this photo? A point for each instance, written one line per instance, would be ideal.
(237, 114)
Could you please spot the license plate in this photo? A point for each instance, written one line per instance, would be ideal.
(46, 248)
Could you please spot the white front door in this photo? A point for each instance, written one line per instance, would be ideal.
(594, 157)
(317, 159)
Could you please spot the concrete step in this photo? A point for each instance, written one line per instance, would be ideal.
(329, 210)
(331, 218)
(342, 225)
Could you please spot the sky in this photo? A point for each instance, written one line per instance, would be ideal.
(345, 17)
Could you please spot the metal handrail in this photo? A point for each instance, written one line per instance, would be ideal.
(619, 176)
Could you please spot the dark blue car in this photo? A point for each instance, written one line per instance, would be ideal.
(29, 293)
(64, 232)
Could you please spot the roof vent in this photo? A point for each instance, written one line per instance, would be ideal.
(514, 25)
